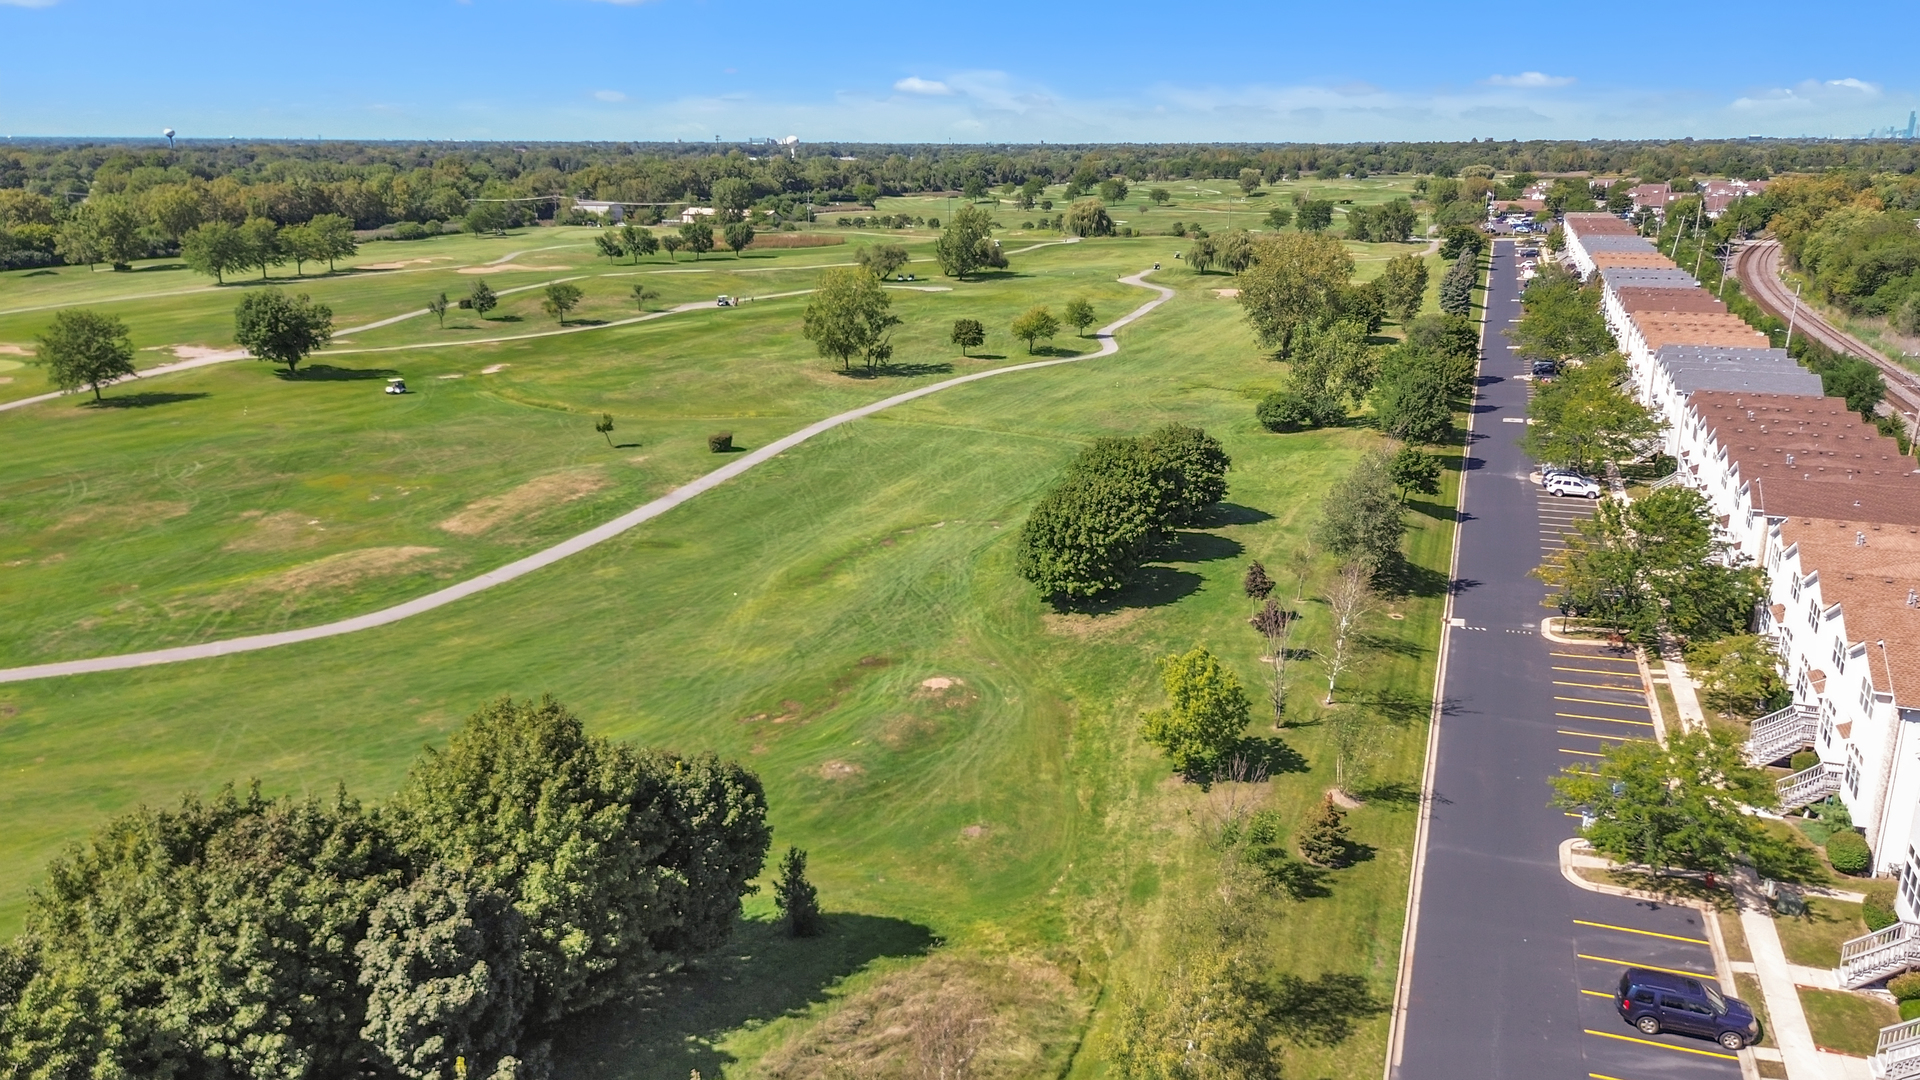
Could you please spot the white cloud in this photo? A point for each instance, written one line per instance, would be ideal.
(609, 95)
(914, 84)
(1530, 80)
(1809, 95)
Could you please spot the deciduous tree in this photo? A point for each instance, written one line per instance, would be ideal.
(739, 236)
(637, 242)
(1680, 804)
(850, 315)
(263, 246)
(1363, 518)
(962, 246)
(968, 334)
(1296, 280)
(482, 299)
(1350, 600)
(882, 260)
(281, 329)
(1088, 217)
(1034, 324)
(85, 348)
(561, 298)
(334, 235)
(1403, 285)
(213, 249)
(697, 237)
(1739, 675)
(1415, 471)
(1079, 315)
(439, 305)
(1206, 714)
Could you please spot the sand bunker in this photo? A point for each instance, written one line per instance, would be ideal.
(400, 264)
(197, 352)
(455, 375)
(1226, 293)
(494, 369)
(15, 350)
(524, 501)
(501, 267)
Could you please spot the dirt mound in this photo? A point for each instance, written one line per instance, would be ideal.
(282, 530)
(131, 515)
(840, 770)
(344, 569)
(1090, 626)
(553, 489)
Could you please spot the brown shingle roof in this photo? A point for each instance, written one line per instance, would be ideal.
(1697, 328)
(1598, 225)
(1695, 300)
(1638, 260)
(1870, 569)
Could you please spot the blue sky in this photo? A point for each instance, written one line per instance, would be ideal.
(974, 72)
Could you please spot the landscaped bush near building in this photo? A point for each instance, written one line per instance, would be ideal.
(1848, 852)
(1878, 917)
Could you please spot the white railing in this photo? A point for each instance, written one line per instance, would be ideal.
(1897, 1056)
(1668, 480)
(1776, 734)
(1808, 786)
(1877, 955)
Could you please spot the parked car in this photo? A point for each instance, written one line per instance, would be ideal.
(1545, 369)
(1563, 485)
(1655, 1001)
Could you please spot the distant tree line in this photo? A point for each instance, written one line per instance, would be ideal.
(523, 875)
(1116, 507)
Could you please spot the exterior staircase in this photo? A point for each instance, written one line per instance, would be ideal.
(1898, 1055)
(1778, 734)
(1668, 480)
(1880, 954)
(1808, 786)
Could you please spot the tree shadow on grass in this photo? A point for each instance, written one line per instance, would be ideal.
(1271, 756)
(142, 401)
(1227, 513)
(1390, 644)
(329, 373)
(1408, 579)
(899, 371)
(1434, 510)
(1152, 586)
(677, 1024)
(1397, 794)
(1323, 1011)
(1201, 547)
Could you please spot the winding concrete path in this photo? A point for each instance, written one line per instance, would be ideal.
(574, 545)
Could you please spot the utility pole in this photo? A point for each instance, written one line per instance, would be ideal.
(1790, 318)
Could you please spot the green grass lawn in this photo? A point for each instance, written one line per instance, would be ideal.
(1747, 989)
(1844, 1022)
(1814, 939)
(802, 618)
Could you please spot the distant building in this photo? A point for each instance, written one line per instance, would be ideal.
(694, 213)
(614, 212)
(1654, 197)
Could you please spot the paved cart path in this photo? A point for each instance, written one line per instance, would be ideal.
(522, 567)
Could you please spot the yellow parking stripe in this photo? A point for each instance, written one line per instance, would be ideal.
(1598, 993)
(1605, 719)
(1588, 670)
(1582, 753)
(1595, 659)
(1596, 735)
(1648, 933)
(1600, 686)
(1649, 967)
(1592, 701)
(1663, 1046)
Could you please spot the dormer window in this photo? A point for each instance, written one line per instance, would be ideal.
(1839, 655)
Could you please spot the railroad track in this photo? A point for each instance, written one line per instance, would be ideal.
(1758, 268)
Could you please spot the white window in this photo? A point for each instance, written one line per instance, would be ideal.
(1813, 615)
(1866, 696)
(1853, 772)
(1839, 655)
(1796, 583)
(1826, 722)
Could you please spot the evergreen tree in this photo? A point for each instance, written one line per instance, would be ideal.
(1324, 840)
(1257, 584)
(795, 896)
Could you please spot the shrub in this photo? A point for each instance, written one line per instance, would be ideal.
(1286, 410)
(1804, 760)
(1910, 1010)
(720, 442)
(1879, 918)
(1848, 852)
(414, 230)
(1324, 841)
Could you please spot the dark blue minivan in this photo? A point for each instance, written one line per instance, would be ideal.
(1656, 1001)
